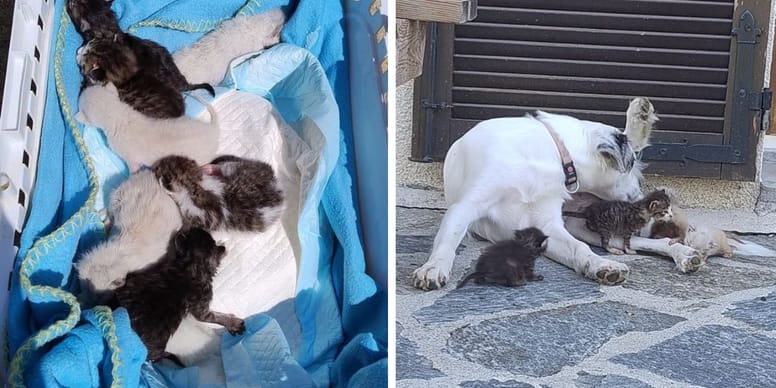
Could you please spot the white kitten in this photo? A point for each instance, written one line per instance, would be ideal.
(207, 60)
(142, 140)
(144, 218)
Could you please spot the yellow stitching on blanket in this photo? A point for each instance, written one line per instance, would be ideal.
(178, 25)
(42, 246)
(380, 34)
(247, 9)
(384, 65)
(108, 328)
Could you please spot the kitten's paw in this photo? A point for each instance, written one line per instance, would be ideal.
(609, 272)
(615, 251)
(727, 255)
(235, 325)
(432, 275)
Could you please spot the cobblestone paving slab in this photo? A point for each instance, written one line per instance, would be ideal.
(495, 384)
(540, 344)
(410, 221)
(657, 276)
(410, 365)
(474, 299)
(759, 312)
(711, 356)
(586, 380)
(418, 244)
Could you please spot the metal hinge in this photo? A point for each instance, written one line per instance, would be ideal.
(426, 104)
(766, 99)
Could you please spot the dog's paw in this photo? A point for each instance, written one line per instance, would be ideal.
(615, 251)
(609, 272)
(687, 259)
(431, 276)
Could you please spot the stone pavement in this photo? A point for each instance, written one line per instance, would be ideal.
(661, 328)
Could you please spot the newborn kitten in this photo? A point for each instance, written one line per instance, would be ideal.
(144, 218)
(144, 83)
(240, 194)
(510, 263)
(157, 297)
(142, 70)
(673, 225)
(142, 140)
(93, 18)
(620, 218)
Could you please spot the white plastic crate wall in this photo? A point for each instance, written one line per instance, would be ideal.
(21, 116)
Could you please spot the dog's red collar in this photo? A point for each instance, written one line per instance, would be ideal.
(565, 158)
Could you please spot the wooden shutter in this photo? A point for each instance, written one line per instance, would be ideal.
(588, 59)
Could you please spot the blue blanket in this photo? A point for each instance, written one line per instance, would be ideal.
(341, 312)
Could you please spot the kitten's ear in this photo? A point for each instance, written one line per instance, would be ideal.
(180, 244)
(653, 205)
(81, 117)
(97, 75)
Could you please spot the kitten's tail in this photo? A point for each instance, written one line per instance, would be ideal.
(473, 275)
(205, 86)
(567, 213)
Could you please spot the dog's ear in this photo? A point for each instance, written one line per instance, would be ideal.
(640, 119)
(612, 157)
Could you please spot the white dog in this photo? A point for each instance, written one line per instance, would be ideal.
(506, 174)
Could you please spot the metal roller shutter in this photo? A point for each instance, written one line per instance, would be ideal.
(588, 59)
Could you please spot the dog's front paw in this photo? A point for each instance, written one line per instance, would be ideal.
(431, 276)
(687, 259)
(609, 272)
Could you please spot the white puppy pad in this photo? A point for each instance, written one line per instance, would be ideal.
(260, 269)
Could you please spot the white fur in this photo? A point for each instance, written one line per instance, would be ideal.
(144, 218)
(142, 140)
(748, 248)
(207, 60)
(505, 174)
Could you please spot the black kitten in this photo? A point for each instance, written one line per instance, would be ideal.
(160, 295)
(510, 263)
(230, 192)
(621, 218)
(93, 18)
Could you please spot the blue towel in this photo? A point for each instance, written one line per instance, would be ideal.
(337, 303)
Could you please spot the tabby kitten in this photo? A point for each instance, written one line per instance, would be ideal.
(228, 193)
(105, 60)
(142, 70)
(510, 263)
(621, 218)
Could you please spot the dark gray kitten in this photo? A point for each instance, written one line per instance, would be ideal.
(228, 193)
(621, 218)
(510, 263)
(158, 296)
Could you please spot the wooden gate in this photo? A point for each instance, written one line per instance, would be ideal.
(701, 63)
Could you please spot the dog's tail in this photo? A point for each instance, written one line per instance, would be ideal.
(567, 213)
(748, 248)
(473, 275)
(640, 118)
